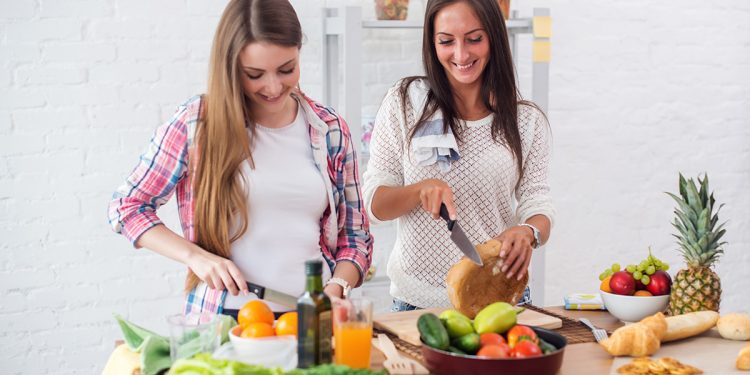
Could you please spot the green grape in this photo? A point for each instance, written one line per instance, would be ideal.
(645, 279)
(630, 268)
(664, 266)
(657, 263)
(602, 276)
(640, 267)
(650, 270)
(643, 265)
(609, 272)
(637, 275)
(616, 267)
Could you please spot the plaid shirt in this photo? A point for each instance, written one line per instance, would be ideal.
(163, 170)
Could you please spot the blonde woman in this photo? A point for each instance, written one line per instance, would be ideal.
(265, 177)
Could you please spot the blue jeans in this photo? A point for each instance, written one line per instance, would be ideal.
(399, 305)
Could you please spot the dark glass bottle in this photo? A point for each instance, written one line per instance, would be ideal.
(315, 327)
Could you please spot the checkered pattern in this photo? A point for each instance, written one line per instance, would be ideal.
(163, 171)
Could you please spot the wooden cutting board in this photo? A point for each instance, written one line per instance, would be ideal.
(708, 352)
(404, 324)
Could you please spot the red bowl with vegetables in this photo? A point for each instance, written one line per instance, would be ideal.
(445, 362)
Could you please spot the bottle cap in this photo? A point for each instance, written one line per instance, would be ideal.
(313, 267)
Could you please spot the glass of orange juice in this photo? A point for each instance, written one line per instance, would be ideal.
(352, 331)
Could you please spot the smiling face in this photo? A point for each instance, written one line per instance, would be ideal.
(461, 44)
(271, 72)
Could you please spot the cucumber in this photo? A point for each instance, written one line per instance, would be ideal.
(456, 350)
(432, 331)
(468, 343)
(546, 347)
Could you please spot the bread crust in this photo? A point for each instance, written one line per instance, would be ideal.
(472, 287)
(690, 324)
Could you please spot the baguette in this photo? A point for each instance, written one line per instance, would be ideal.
(743, 358)
(734, 326)
(690, 324)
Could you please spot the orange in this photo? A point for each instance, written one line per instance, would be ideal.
(255, 311)
(643, 293)
(257, 329)
(287, 324)
(604, 286)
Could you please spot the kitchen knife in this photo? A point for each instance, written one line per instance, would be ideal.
(273, 295)
(459, 237)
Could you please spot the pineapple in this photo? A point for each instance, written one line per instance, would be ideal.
(696, 288)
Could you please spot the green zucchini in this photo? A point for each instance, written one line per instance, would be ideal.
(432, 331)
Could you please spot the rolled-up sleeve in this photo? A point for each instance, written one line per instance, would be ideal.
(132, 210)
(533, 192)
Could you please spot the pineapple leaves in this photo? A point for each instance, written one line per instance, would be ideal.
(699, 233)
(692, 195)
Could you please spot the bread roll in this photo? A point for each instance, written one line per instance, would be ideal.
(734, 326)
(690, 324)
(472, 287)
(743, 358)
(635, 340)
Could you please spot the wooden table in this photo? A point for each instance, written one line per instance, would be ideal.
(579, 359)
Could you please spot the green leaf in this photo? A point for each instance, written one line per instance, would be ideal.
(682, 184)
(692, 195)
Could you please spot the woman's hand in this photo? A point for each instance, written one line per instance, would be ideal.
(516, 250)
(218, 272)
(433, 193)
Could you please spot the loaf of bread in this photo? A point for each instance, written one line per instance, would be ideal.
(690, 324)
(472, 287)
(734, 326)
(635, 340)
(743, 358)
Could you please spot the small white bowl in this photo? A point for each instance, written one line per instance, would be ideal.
(633, 308)
(267, 351)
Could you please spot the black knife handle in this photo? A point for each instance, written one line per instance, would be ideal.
(447, 217)
(256, 289)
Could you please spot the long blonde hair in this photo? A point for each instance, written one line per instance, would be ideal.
(222, 138)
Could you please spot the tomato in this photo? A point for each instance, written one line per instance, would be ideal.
(519, 331)
(491, 338)
(494, 351)
(525, 348)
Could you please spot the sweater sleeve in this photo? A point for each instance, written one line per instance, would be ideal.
(132, 210)
(533, 190)
(385, 166)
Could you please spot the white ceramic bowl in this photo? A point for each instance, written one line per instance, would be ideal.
(267, 351)
(633, 308)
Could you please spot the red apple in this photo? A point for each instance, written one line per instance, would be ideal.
(622, 283)
(661, 283)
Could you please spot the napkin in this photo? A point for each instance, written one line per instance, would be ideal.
(584, 301)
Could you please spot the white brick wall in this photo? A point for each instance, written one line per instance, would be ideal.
(639, 91)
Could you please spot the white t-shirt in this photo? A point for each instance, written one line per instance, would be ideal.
(286, 200)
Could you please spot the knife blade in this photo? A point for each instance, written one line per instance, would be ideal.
(272, 295)
(459, 237)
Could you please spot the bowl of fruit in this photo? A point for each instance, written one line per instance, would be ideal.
(637, 291)
(259, 339)
(492, 343)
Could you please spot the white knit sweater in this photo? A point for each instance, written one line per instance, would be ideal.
(483, 183)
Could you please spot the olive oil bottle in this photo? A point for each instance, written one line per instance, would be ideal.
(315, 327)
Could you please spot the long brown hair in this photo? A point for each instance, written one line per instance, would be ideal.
(222, 138)
(498, 90)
